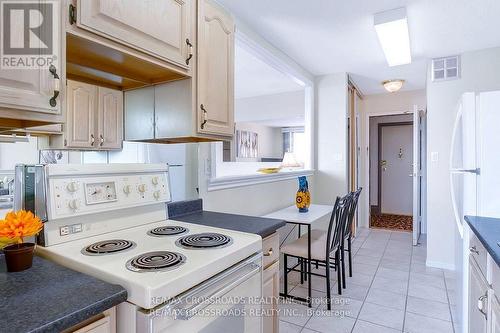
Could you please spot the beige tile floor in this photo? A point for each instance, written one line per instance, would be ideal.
(391, 291)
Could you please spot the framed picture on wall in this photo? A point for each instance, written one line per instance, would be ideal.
(247, 144)
(54, 157)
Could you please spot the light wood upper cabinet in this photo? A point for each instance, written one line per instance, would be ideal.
(110, 118)
(80, 115)
(94, 118)
(25, 94)
(157, 27)
(215, 70)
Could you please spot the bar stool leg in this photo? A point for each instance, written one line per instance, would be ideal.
(350, 255)
(328, 292)
(285, 278)
(342, 259)
(339, 277)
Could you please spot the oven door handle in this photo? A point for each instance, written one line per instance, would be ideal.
(206, 294)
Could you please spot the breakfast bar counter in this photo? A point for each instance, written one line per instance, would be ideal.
(51, 298)
(192, 212)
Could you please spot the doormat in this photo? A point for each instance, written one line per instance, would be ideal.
(392, 221)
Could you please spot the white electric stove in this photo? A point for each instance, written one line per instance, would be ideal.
(109, 221)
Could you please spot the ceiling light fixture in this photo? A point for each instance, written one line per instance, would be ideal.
(392, 30)
(393, 85)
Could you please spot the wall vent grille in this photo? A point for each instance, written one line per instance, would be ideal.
(447, 68)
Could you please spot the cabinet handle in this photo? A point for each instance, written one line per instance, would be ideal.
(205, 116)
(71, 14)
(102, 140)
(53, 71)
(474, 250)
(92, 139)
(480, 304)
(269, 253)
(190, 54)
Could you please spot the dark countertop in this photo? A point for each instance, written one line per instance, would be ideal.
(191, 212)
(50, 298)
(487, 229)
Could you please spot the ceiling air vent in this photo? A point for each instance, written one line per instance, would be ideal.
(447, 68)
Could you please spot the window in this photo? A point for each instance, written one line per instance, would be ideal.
(295, 142)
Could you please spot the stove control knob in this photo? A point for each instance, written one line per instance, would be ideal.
(156, 195)
(155, 180)
(127, 189)
(72, 186)
(74, 204)
(142, 188)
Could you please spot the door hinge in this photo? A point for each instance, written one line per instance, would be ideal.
(65, 142)
(72, 14)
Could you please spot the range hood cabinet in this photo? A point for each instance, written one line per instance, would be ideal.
(163, 113)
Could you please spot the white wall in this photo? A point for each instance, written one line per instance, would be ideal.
(270, 141)
(479, 73)
(287, 107)
(376, 105)
(331, 138)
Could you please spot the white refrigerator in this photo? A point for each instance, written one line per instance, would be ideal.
(474, 174)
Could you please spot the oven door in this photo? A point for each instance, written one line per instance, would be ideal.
(228, 302)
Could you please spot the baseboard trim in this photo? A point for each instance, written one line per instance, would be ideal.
(438, 264)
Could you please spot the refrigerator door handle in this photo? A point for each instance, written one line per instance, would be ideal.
(476, 171)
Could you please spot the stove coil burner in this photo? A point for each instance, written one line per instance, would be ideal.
(108, 247)
(167, 231)
(204, 241)
(156, 261)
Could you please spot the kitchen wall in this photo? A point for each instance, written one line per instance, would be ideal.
(270, 141)
(479, 73)
(331, 138)
(182, 158)
(284, 106)
(376, 105)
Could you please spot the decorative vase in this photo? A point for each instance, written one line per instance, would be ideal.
(19, 257)
(303, 198)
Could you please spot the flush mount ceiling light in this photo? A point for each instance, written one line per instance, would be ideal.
(392, 30)
(393, 85)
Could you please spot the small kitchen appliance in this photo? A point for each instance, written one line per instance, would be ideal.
(109, 221)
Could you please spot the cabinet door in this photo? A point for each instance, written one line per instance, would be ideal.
(80, 115)
(31, 89)
(140, 114)
(494, 319)
(110, 118)
(478, 299)
(156, 27)
(270, 291)
(215, 70)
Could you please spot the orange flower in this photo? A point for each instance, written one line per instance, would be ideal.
(17, 225)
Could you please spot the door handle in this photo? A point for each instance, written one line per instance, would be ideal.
(101, 140)
(92, 139)
(190, 54)
(480, 304)
(57, 85)
(474, 250)
(269, 253)
(205, 116)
